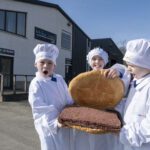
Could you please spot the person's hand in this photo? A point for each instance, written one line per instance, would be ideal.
(59, 125)
(111, 73)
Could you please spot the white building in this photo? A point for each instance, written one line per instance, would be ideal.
(22, 26)
(25, 23)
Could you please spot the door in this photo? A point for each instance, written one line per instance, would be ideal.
(68, 70)
(6, 68)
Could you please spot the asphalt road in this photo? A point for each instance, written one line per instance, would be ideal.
(16, 127)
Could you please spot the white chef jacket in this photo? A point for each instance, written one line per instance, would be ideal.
(110, 141)
(47, 98)
(135, 134)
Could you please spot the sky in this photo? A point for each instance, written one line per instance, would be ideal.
(121, 20)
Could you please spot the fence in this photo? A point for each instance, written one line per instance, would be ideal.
(14, 84)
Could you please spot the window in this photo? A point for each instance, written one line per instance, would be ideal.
(21, 23)
(13, 22)
(44, 35)
(2, 20)
(66, 40)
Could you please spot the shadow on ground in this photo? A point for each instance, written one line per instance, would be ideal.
(16, 127)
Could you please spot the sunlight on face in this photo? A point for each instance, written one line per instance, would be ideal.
(136, 71)
(97, 62)
(45, 67)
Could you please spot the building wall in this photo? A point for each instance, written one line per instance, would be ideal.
(80, 47)
(47, 18)
(52, 18)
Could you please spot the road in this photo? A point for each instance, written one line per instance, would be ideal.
(16, 127)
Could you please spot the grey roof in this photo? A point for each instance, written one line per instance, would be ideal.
(108, 45)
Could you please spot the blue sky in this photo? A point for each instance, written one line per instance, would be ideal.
(121, 20)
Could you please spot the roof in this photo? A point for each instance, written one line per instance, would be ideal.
(109, 46)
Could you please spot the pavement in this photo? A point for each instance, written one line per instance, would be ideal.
(17, 130)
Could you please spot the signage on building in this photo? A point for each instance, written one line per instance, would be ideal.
(44, 35)
(7, 51)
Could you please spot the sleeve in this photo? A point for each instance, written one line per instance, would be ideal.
(45, 116)
(137, 133)
(120, 68)
(120, 106)
(124, 75)
(126, 78)
(68, 96)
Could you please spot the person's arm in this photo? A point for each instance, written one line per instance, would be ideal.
(117, 70)
(124, 74)
(63, 89)
(45, 116)
(120, 68)
(137, 133)
(112, 73)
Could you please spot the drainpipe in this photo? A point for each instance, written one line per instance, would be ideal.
(1, 87)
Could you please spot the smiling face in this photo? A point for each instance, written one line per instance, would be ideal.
(97, 62)
(136, 71)
(45, 67)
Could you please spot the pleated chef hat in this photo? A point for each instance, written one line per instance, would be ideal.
(138, 53)
(46, 51)
(97, 51)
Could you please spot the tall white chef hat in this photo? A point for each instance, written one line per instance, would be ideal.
(97, 51)
(138, 53)
(46, 51)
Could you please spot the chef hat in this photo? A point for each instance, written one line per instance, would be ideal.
(97, 51)
(46, 51)
(138, 53)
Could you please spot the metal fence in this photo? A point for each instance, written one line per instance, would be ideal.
(13, 84)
